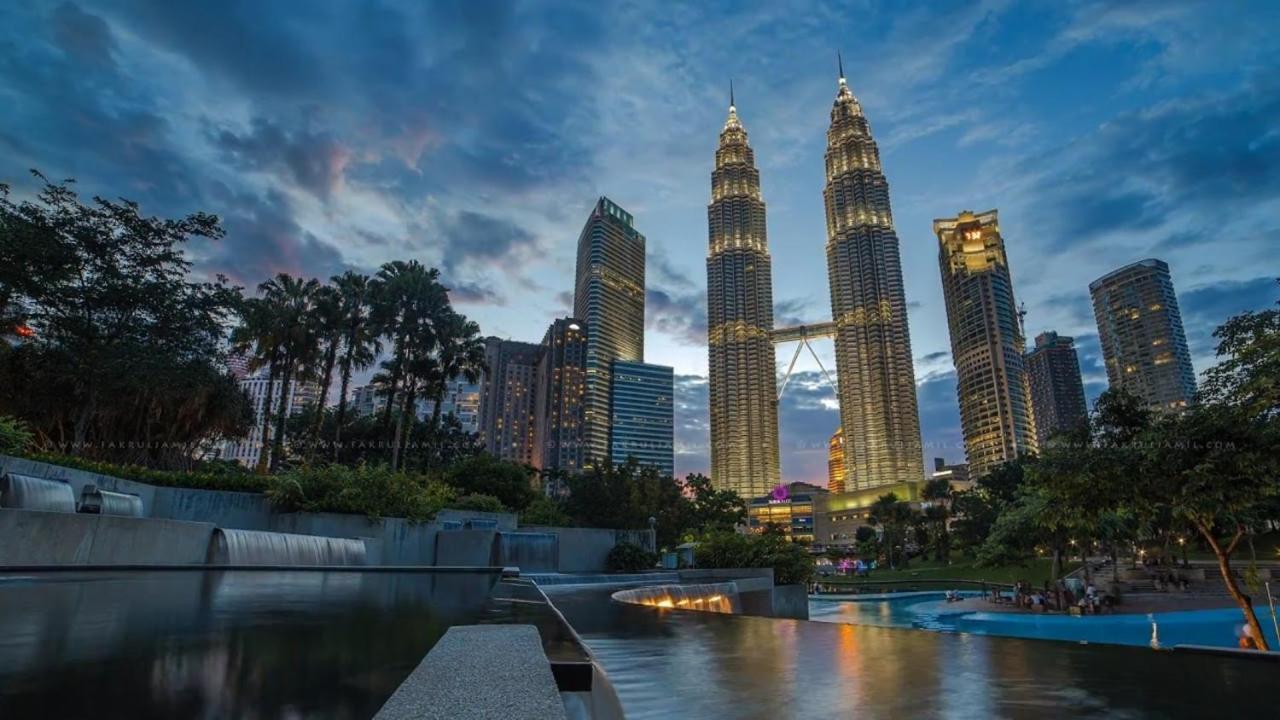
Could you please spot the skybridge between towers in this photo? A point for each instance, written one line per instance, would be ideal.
(802, 334)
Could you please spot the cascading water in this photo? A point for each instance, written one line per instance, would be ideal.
(709, 597)
(32, 493)
(105, 502)
(255, 547)
(529, 551)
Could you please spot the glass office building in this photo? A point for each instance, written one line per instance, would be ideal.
(641, 412)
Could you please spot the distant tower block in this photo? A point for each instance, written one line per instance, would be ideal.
(986, 341)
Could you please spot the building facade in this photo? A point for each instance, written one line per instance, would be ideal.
(837, 516)
(642, 421)
(461, 400)
(790, 508)
(743, 390)
(608, 296)
(869, 308)
(986, 341)
(835, 462)
(1057, 391)
(507, 399)
(1143, 343)
(957, 474)
(560, 383)
(248, 450)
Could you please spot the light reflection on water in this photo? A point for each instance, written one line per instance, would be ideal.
(260, 644)
(672, 664)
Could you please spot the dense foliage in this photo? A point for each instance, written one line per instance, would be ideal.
(629, 557)
(790, 561)
(209, 475)
(478, 503)
(14, 436)
(484, 474)
(373, 490)
(629, 495)
(121, 355)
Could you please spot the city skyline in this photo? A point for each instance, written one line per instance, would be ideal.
(1164, 155)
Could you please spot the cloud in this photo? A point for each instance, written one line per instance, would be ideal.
(263, 239)
(680, 314)
(472, 240)
(792, 312)
(1206, 307)
(470, 293)
(82, 34)
(315, 162)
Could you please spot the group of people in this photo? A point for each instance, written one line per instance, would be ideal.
(1088, 601)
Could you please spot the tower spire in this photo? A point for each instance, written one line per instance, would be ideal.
(731, 102)
(840, 64)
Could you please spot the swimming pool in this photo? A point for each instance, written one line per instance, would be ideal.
(930, 611)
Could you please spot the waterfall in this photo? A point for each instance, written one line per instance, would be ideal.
(529, 551)
(255, 547)
(709, 597)
(33, 493)
(105, 502)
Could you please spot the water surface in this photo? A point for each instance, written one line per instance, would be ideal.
(219, 644)
(675, 664)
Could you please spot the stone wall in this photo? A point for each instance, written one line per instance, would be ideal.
(30, 537)
(398, 541)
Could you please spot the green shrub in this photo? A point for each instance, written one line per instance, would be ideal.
(218, 475)
(485, 474)
(545, 511)
(629, 557)
(14, 435)
(478, 502)
(372, 490)
(791, 563)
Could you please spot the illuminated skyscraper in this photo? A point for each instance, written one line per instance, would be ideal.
(506, 399)
(609, 296)
(743, 383)
(873, 346)
(1057, 392)
(1143, 343)
(835, 462)
(986, 341)
(560, 385)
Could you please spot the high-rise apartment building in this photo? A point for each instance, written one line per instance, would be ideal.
(608, 295)
(743, 384)
(1057, 391)
(986, 341)
(507, 399)
(835, 462)
(1143, 344)
(561, 382)
(642, 421)
(877, 385)
(248, 449)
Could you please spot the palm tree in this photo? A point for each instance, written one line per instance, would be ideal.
(361, 341)
(461, 353)
(326, 327)
(290, 299)
(257, 338)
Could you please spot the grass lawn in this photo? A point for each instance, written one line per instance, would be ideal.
(1034, 572)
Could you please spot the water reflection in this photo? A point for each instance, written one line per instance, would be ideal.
(668, 664)
(219, 644)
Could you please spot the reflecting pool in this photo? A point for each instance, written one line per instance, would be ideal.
(673, 664)
(220, 644)
(930, 611)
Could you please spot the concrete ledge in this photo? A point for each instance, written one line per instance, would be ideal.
(31, 537)
(480, 672)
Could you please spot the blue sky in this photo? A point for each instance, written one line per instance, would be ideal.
(475, 136)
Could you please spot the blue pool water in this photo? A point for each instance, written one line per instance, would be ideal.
(929, 611)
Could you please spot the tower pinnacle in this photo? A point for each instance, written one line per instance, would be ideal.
(840, 64)
(732, 104)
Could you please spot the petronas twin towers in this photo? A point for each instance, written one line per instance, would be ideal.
(868, 307)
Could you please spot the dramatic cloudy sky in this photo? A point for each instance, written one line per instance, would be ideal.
(475, 136)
